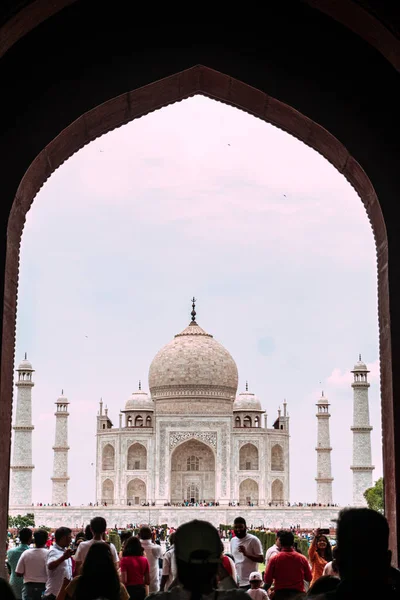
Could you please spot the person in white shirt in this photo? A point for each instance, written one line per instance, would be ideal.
(98, 527)
(32, 567)
(246, 550)
(273, 549)
(59, 564)
(153, 553)
(169, 571)
(256, 592)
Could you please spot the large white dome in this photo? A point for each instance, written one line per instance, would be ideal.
(193, 366)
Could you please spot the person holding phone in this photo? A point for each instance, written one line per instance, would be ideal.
(58, 564)
(319, 554)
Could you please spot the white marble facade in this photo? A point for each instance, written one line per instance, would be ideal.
(192, 438)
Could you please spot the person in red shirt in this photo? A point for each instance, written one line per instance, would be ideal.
(287, 570)
(135, 571)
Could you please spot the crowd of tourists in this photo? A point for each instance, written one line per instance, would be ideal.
(196, 564)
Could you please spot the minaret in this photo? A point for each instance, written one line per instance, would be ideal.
(60, 466)
(324, 470)
(362, 467)
(21, 467)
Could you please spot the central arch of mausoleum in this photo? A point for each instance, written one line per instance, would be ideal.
(192, 473)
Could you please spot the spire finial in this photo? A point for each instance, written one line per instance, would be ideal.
(322, 394)
(140, 386)
(62, 392)
(26, 356)
(247, 386)
(359, 357)
(193, 313)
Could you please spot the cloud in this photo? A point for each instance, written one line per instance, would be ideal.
(343, 378)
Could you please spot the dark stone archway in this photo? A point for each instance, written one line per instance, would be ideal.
(81, 73)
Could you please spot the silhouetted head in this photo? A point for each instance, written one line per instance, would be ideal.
(63, 536)
(286, 539)
(88, 533)
(172, 539)
(198, 556)
(25, 535)
(98, 525)
(125, 535)
(145, 533)
(40, 536)
(133, 547)
(323, 585)
(357, 530)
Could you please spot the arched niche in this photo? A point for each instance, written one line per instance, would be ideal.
(248, 458)
(107, 492)
(108, 458)
(277, 458)
(277, 491)
(136, 492)
(137, 457)
(248, 492)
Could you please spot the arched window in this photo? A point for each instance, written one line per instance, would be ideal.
(107, 492)
(192, 463)
(148, 421)
(257, 421)
(277, 461)
(277, 491)
(108, 458)
(248, 458)
(247, 421)
(137, 458)
(129, 421)
(139, 421)
(237, 421)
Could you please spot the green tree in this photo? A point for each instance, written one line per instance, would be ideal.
(21, 521)
(375, 496)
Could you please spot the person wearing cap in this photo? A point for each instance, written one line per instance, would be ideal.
(198, 558)
(287, 570)
(247, 552)
(256, 592)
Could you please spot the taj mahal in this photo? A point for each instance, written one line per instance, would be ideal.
(192, 443)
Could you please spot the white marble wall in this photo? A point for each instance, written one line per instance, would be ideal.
(77, 517)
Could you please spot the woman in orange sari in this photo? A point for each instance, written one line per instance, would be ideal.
(319, 554)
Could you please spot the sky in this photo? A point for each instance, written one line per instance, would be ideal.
(202, 199)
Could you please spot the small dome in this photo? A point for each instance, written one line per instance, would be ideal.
(323, 399)
(62, 399)
(360, 366)
(139, 401)
(247, 401)
(25, 365)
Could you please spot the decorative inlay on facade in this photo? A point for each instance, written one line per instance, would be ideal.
(193, 391)
(208, 437)
(249, 441)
